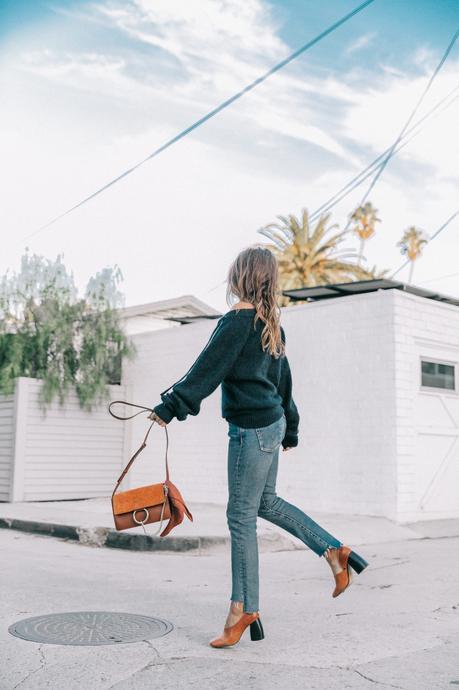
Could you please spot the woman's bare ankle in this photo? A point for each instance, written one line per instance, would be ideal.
(235, 612)
(331, 556)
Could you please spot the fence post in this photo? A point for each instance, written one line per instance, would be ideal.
(21, 395)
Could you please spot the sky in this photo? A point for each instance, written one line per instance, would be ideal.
(91, 88)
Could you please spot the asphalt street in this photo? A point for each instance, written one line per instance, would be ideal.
(396, 626)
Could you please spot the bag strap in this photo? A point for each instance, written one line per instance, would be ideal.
(123, 402)
(144, 442)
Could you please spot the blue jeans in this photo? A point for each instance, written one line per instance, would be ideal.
(253, 456)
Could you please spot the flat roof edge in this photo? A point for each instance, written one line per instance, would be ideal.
(359, 287)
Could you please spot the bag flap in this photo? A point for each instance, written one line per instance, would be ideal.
(134, 499)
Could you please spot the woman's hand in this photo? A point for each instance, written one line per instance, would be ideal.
(288, 448)
(154, 417)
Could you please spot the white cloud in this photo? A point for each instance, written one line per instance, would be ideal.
(361, 42)
(377, 116)
(207, 37)
(208, 195)
(219, 47)
(67, 66)
(425, 57)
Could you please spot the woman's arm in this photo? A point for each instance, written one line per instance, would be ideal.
(291, 412)
(208, 371)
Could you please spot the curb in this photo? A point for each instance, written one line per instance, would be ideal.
(104, 536)
(267, 541)
(110, 538)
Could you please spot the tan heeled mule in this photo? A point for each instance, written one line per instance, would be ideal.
(233, 633)
(347, 558)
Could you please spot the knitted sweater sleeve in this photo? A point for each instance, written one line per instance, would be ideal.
(290, 439)
(208, 371)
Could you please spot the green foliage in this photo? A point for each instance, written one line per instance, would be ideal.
(50, 333)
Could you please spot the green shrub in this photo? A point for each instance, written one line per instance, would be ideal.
(50, 333)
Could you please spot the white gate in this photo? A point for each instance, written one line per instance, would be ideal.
(436, 443)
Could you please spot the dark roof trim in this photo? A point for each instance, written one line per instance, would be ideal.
(191, 319)
(360, 286)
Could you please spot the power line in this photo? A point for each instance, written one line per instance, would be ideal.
(211, 114)
(358, 179)
(436, 233)
(444, 226)
(368, 171)
(216, 286)
(408, 122)
(433, 280)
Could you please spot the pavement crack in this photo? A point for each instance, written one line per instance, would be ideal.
(42, 658)
(158, 655)
(377, 682)
(153, 662)
(149, 644)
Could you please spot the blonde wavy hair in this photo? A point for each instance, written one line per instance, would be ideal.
(253, 277)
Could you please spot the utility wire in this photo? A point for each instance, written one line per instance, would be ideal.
(408, 122)
(436, 233)
(211, 114)
(433, 280)
(364, 174)
(452, 96)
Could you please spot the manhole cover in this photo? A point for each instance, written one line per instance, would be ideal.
(90, 628)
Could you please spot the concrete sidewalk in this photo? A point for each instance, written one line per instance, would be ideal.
(90, 522)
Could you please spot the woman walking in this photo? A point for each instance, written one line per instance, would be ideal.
(246, 355)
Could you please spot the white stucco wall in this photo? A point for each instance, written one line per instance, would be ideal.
(341, 353)
(342, 356)
(197, 451)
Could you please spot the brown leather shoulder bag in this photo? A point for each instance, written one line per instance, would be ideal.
(150, 503)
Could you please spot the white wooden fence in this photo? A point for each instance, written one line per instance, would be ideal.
(61, 454)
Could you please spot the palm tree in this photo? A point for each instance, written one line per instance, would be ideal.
(310, 256)
(411, 245)
(377, 273)
(364, 219)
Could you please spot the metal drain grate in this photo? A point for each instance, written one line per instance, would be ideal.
(90, 628)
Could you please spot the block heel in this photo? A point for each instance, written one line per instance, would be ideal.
(256, 630)
(357, 562)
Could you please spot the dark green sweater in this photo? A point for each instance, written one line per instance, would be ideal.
(256, 387)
